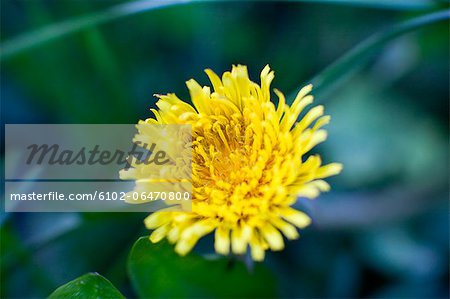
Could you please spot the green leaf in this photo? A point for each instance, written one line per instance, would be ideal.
(157, 271)
(29, 40)
(90, 285)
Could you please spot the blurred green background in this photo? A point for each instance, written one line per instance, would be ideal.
(383, 230)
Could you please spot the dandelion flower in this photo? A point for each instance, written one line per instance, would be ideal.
(249, 164)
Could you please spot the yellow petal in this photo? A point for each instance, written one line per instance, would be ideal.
(316, 138)
(295, 217)
(257, 248)
(239, 239)
(329, 170)
(215, 80)
(222, 240)
(303, 92)
(199, 97)
(191, 234)
(287, 229)
(311, 116)
(183, 247)
(157, 219)
(174, 234)
(158, 234)
(273, 237)
(197, 230)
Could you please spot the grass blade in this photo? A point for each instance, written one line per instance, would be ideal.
(363, 51)
(29, 40)
(381, 4)
(47, 33)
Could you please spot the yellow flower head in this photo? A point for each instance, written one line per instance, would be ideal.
(248, 164)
